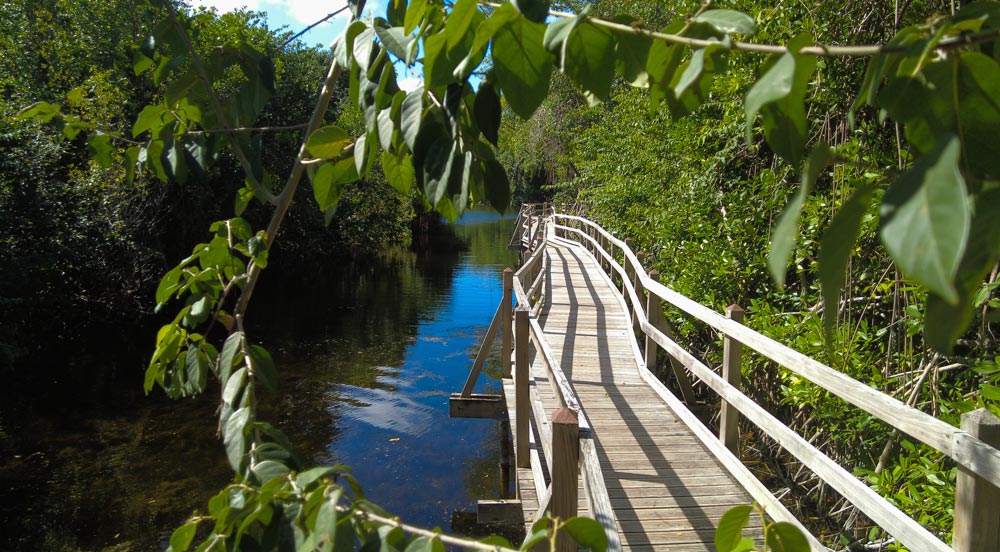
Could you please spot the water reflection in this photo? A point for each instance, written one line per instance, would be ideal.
(368, 353)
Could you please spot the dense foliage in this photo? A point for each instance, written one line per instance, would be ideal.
(693, 167)
(705, 204)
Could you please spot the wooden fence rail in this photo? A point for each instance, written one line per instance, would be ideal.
(974, 451)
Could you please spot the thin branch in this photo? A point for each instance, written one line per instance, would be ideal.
(310, 27)
(446, 539)
(831, 50)
(247, 129)
(286, 195)
(259, 189)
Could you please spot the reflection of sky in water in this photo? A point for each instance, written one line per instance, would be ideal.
(408, 455)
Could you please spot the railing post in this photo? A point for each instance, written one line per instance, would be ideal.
(636, 285)
(565, 471)
(505, 336)
(653, 314)
(977, 501)
(625, 265)
(522, 408)
(732, 353)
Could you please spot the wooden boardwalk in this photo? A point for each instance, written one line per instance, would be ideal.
(667, 490)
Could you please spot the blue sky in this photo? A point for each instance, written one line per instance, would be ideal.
(295, 15)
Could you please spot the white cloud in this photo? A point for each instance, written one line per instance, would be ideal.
(410, 83)
(225, 6)
(307, 12)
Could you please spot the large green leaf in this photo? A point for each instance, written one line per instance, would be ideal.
(661, 64)
(945, 322)
(522, 65)
(535, 10)
(410, 114)
(785, 537)
(728, 21)
(414, 15)
(786, 230)
(394, 39)
(327, 142)
(497, 185)
(925, 219)
(587, 533)
(632, 51)
(398, 170)
(779, 95)
(730, 529)
(234, 438)
(590, 59)
(835, 252)
(330, 181)
(488, 112)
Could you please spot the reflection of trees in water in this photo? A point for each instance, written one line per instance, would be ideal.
(104, 467)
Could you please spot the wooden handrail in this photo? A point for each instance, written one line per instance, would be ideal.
(583, 460)
(973, 455)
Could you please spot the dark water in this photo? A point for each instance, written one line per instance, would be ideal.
(368, 353)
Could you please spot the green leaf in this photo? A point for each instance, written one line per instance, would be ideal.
(779, 95)
(394, 39)
(327, 142)
(331, 179)
(168, 285)
(264, 367)
(632, 51)
(268, 470)
(785, 537)
(730, 529)
(661, 64)
(234, 438)
(398, 170)
(181, 539)
(99, 147)
(385, 128)
(786, 230)
(488, 113)
(234, 386)
(395, 12)
(497, 185)
(556, 35)
(587, 533)
(925, 219)
(414, 15)
(410, 115)
(590, 60)
(364, 45)
(728, 21)
(944, 322)
(232, 346)
(536, 537)
(835, 252)
(310, 476)
(150, 118)
(534, 10)
(522, 65)
(42, 112)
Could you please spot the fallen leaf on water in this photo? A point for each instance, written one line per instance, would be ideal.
(393, 439)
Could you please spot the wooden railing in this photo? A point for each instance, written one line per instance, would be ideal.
(565, 436)
(972, 447)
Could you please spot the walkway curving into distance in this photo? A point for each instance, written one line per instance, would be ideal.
(667, 490)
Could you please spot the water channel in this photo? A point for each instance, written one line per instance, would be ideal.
(368, 353)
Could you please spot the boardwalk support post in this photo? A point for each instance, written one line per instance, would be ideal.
(625, 265)
(732, 353)
(637, 286)
(653, 314)
(507, 306)
(977, 501)
(565, 471)
(522, 408)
